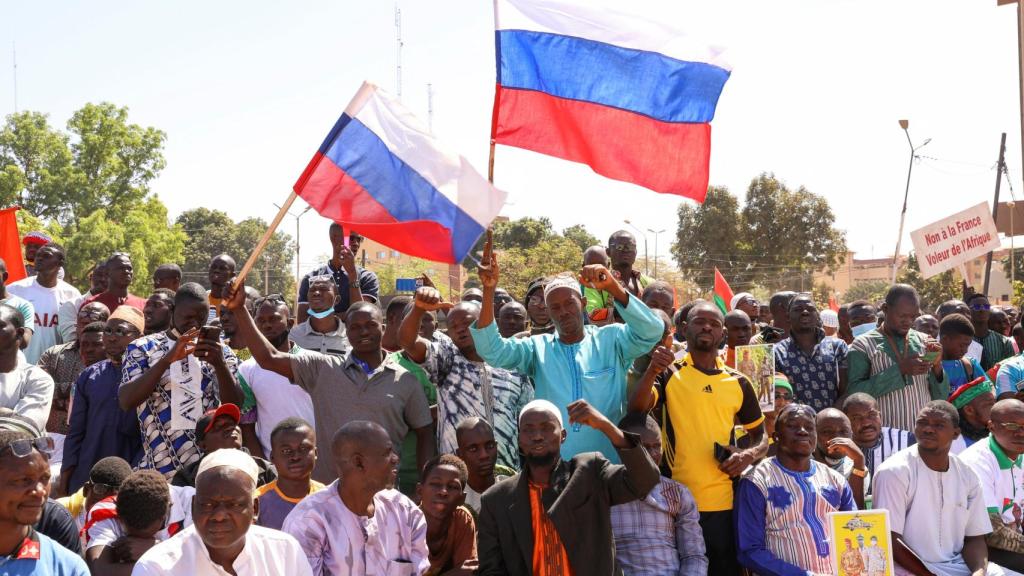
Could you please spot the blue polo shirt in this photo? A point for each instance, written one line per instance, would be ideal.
(38, 555)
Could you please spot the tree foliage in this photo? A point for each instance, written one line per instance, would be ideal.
(870, 290)
(212, 232)
(101, 162)
(581, 236)
(933, 291)
(551, 255)
(778, 239)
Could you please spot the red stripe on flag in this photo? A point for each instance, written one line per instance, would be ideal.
(336, 196)
(10, 244)
(667, 157)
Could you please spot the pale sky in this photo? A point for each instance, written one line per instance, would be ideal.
(246, 91)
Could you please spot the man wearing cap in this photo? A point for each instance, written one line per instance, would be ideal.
(466, 386)
(554, 517)
(224, 538)
(24, 388)
(830, 323)
(218, 430)
(973, 402)
(999, 465)
(746, 302)
(540, 320)
(47, 292)
(578, 362)
(814, 364)
(98, 426)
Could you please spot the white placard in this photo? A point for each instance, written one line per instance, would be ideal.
(946, 244)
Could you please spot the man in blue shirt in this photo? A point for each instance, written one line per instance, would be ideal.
(24, 483)
(342, 268)
(578, 361)
(815, 365)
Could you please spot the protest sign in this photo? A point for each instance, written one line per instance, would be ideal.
(959, 238)
(860, 543)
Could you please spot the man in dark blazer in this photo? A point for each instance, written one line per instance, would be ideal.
(553, 516)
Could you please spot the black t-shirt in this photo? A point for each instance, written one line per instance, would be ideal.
(57, 523)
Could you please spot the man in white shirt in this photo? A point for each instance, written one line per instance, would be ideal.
(26, 389)
(331, 525)
(224, 539)
(47, 293)
(936, 506)
(276, 397)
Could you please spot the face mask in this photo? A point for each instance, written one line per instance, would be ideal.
(320, 315)
(862, 329)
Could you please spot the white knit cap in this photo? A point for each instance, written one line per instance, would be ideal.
(736, 298)
(829, 319)
(563, 281)
(543, 406)
(231, 458)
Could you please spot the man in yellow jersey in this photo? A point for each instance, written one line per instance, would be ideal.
(703, 401)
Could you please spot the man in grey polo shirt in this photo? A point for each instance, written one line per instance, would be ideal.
(323, 330)
(364, 384)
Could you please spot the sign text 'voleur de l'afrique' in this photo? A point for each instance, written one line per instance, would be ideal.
(946, 244)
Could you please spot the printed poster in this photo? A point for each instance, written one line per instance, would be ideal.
(757, 363)
(861, 543)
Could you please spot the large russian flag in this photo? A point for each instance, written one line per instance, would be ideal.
(631, 98)
(381, 173)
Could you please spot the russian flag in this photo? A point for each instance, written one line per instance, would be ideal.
(381, 173)
(631, 98)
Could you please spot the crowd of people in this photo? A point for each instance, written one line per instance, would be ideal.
(597, 427)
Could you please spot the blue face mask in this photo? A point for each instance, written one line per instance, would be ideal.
(862, 329)
(321, 315)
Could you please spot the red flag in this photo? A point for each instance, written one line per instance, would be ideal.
(832, 303)
(10, 245)
(723, 293)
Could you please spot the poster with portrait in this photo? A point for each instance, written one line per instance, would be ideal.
(861, 543)
(757, 362)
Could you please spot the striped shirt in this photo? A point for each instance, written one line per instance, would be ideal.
(890, 441)
(994, 349)
(874, 370)
(782, 517)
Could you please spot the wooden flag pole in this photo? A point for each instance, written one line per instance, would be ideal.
(490, 164)
(240, 277)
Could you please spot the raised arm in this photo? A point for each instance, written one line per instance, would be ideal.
(488, 272)
(415, 347)
(141, 377)
(268, 357)
(637, 474)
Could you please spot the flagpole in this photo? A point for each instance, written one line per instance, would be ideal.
(240, 277)
(490, 164)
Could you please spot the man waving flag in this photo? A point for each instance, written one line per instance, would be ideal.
(631, 98)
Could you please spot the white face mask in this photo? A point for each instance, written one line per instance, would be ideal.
(862, 329)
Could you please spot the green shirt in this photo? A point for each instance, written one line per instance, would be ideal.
(408, 472)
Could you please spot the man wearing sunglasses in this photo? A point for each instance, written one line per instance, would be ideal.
(995, 346)
(24, 483)
(999, 464)
(622, 255)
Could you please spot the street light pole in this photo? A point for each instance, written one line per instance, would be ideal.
(905, 124)
(656, 234)
(298, 275)
(641, 232)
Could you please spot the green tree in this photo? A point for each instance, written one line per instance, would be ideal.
(581, 236)
(870, 290)
(552, 255)
(143, 232)
(933, 291)
(212, 232)
(102, 162)
(708, 236)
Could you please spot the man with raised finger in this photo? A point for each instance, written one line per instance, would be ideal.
(578, 361)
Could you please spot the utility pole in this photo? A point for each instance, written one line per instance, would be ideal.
(995, 204)
(398, 51)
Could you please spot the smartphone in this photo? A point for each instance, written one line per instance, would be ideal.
(209, 333)
(930, 357)
(721, 453)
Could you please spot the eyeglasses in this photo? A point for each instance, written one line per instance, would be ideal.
(272, 298)
(980, 307)
(22, 448)
(1010, 426)
(120, 332)
(623, 247)
(783, 396)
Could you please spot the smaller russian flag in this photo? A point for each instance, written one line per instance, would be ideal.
(381, 173)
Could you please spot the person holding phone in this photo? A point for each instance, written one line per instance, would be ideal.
(354, 284)
(172, 378)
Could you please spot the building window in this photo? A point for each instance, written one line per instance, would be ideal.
(381, 255)
(395, 254)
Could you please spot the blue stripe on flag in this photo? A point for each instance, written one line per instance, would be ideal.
(646, 83)
(397, 187)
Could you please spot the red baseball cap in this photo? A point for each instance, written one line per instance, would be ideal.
(205, 423)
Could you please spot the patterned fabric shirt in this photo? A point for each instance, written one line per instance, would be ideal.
(815, 377)
(466, 388)
(782, 517)
(660, 535)
(995, 348)
(167, 448)
(873, 369)
(890, 441)
(63, 363)
(1010, 377)
(549, 556)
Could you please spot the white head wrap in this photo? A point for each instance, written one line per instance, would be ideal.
(562, 281)
(736, 299)
(544, 406)
(231, 458)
